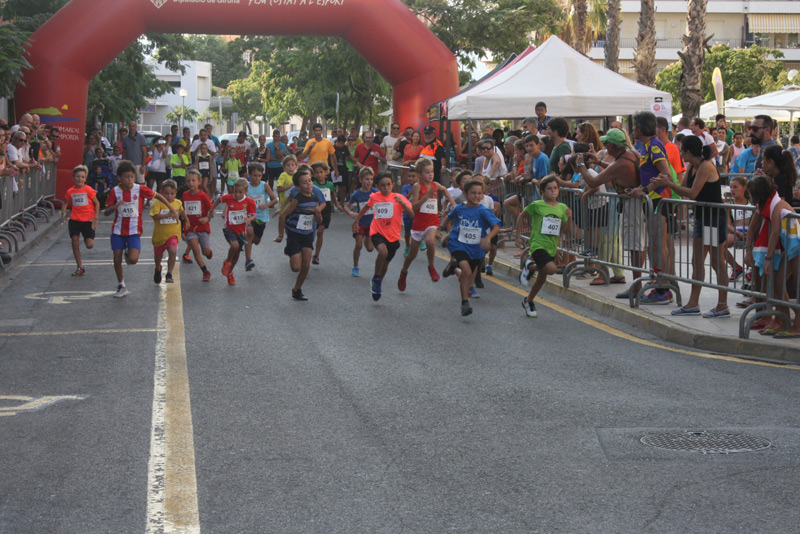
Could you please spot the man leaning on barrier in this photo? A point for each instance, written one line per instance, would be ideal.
(623, 174)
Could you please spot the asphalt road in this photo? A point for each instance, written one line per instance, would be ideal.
(344, 415)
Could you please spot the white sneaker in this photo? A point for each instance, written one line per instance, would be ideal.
(121, 292)
(530, 307)
(525, 274)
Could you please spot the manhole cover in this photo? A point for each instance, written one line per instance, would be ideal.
(706, 442)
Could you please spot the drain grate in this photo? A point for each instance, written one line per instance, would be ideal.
(706, 442)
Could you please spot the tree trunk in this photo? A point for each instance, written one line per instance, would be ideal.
(579, 24)
(693, 58)
(644, 58)
(611, 46)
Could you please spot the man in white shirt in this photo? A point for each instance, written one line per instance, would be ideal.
(204, 139)
(698, 128)
(388, 143)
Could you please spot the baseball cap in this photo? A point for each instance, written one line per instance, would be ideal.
(614, 136)
(429, 129)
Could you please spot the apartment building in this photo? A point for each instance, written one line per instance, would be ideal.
(196, 81)
(737, 23)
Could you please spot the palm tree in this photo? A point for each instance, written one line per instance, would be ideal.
(579, 26)
(611, 47)
(695, 43)
(644, 58)
(583, 25)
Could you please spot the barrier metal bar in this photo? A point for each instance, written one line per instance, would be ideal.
(27, 205)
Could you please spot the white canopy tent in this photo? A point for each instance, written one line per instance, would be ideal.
(786, 99)
(569, 83)
(736, 110)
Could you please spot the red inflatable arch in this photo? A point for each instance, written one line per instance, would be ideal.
(84, 36)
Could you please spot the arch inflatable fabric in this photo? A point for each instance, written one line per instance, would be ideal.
(82, 38)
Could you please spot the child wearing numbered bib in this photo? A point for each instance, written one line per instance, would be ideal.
(126, 201)
(408, 221)
(167, 229)
(284, 181)
(239, 215)
(549, 219)
(326, 187)
(262, 195)
(473, 227)
(85, 209)
(358, 200)
(388, 209)
(203, 161)
(197, 211)
(299, 218)
(233, 167)
(425, 201)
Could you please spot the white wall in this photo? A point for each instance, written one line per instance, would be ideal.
(196, 80)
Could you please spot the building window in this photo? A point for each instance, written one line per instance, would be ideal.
(175, 84)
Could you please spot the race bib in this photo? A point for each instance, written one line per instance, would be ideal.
(128, 209)
(80, 200)
(384, 210)
(336, 178)
(237, 217)
(233, 175)
(430, 206)
(193, 207)
(361, 206)
(203, 165)
(327, 194)
(551, 226)
(167, 220)
(305, 222)
(470, 236)
(258, 199)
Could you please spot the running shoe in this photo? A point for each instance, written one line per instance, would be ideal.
(466, 309)
(121, 291)
(405, 252)
(478, 281)
(473, 294)
(525, 274)
(157, 276)
(530, 307)
(489, 270)
(168, 279)
(79, 272)
(654, 297)
(714, 313)
(401, 282)
(231, 279)
(315, 260)
(188, 259)
(433, 273)
(297, 294)
(376, 288)
(249, 265)
(206, 275)
(423, 246)
(226, 268)
(354, 272)
(736, 274)
(449, 269)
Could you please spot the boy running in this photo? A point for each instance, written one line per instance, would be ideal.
(240, 212)
(384, 229)
(327, 188)
(232, 165)
(299, 217)
(549, 219)
(359, 199)
(258, 191)
(203, 161)
(408, 221)
(473, 227)
(83, 217)
(198, 210)
(284, 182)
(167, 229)
(126, 201)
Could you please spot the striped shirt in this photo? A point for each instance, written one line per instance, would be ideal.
(128, 219)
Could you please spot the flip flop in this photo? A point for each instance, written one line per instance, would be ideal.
(768, 331)
(519, 254)
(617, 280)
(743, 304)
(598, 281)
(785, 335)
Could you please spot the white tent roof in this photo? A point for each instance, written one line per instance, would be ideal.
(736, 110)
(570, 84)
(787, 98)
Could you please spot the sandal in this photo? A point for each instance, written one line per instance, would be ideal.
(768, 331)
(598, 281)
(519, 254)
(616, 280)
(786, 335)
(744, 304)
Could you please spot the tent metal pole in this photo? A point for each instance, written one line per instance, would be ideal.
(469, 141)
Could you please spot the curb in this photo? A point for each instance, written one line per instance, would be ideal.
(27, 246)
(680, 335)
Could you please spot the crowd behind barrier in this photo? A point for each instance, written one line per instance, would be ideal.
(24, 208)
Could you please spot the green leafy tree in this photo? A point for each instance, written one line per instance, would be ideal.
(188, 114)
(226, 60)
(748, 72)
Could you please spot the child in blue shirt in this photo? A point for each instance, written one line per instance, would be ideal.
(408, 221)
(258, 191)
(358, 200)
(473, 227)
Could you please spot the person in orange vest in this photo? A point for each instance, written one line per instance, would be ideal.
(433, 149)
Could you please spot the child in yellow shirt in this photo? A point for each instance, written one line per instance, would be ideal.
(284, 182)
(167, 230)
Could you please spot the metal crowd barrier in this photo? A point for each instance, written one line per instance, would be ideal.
(27, 206)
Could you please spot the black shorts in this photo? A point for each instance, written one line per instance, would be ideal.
(667, 210)
(541, 258)
(273, 173)
(345, 174)
(81, 228)
(258, 228)
(158, 177)
(495, 240)
(460, 255)
(230, 235)
(391, 246)
(326, 217)
(295, 242)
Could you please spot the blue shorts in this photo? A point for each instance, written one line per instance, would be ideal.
(121, 242)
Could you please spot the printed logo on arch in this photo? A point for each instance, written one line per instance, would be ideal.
(158, 3)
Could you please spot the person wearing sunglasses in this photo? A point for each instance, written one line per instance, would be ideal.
(760, 132)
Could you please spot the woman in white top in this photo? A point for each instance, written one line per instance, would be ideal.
(494, 164)
(157, 168)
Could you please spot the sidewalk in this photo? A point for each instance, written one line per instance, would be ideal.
(714, 335)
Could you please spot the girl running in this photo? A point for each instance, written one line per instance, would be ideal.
(359, 200)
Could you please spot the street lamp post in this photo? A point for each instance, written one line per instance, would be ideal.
(184, 93)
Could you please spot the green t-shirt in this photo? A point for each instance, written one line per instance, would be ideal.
(178, 171)
(561, 150)
(327, 186)
(546, 224)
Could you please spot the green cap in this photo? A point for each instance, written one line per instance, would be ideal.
(614, 136)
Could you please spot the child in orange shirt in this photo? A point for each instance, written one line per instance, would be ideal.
(84, 214)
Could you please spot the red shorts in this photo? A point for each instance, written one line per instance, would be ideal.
(172, 242)
(362, 230)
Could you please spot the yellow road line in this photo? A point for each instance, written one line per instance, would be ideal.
(89, 332)
(172, 481)
(624, 335)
